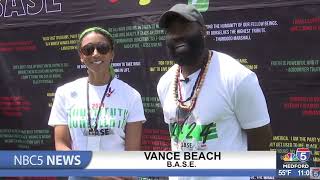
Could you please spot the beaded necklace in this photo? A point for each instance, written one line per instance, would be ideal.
(196, 88)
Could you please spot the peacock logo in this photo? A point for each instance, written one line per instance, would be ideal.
(290, 157)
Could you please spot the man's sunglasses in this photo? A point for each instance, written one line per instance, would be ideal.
(88, 49)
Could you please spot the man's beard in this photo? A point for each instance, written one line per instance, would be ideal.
(187, 51)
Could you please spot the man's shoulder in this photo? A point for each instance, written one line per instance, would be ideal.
(167, 77)
(227, 60)
(230, 66)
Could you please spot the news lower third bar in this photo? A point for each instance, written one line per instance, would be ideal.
(137, 163)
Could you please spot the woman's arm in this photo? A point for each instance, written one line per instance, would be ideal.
(62, 138)
(133, 136)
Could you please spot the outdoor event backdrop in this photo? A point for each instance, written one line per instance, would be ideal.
(277, 39)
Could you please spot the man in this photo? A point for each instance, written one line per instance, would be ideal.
(210, 101)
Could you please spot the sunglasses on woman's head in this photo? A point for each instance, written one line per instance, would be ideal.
(88, 49)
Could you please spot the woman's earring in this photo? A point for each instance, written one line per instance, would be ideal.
(111, 71)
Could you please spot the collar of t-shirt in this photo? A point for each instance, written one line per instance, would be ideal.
(187, 85)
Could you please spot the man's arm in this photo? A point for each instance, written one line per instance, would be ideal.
(259, 138)
(62, 138)
(252, 113)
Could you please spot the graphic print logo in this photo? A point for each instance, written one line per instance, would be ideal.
(201, 5)
(144, 2)
(73, 94)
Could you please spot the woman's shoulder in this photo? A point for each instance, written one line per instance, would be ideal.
(74, 85)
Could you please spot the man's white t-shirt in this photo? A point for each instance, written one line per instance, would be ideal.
(121, 105)
(230, 101)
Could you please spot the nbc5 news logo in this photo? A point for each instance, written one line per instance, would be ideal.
(298, 159)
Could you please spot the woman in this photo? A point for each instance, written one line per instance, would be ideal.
(98, 112)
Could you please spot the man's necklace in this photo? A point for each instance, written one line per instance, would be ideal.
(195, 90)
